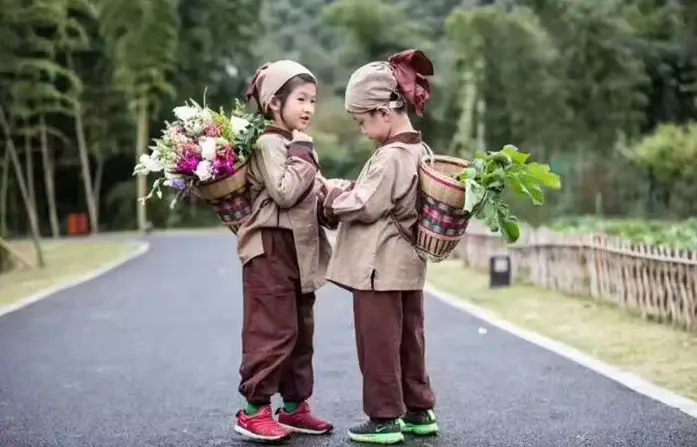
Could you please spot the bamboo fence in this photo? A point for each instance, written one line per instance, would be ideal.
(658, 283)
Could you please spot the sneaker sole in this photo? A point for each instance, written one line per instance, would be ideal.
(305, 431)
(385, 438)
(421, 430)
(248, 434)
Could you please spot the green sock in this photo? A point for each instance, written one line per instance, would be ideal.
(251, 409)
(290, 407)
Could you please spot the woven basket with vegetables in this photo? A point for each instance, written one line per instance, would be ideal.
(453, 191)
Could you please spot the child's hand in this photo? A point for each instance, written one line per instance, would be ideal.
(300, 136)
(343, 184)
(322, 190)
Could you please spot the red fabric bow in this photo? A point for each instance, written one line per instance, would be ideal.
(253, 87)
(411, 68)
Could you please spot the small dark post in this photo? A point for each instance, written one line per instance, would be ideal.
(499, 271)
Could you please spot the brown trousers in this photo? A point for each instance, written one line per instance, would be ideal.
(391, 353)
(278, 326)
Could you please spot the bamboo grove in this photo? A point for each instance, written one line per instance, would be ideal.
(606, 90)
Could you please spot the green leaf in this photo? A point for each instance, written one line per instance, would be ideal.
(509, 228)
(543, 174)
(474, 195)
(518, 157)
(487, 213)
(527, 188)
(467, 174)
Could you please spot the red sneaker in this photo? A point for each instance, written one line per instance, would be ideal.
(302, 421)
(261, 427)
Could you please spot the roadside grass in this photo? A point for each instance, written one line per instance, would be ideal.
(657, 352)
(65, 261)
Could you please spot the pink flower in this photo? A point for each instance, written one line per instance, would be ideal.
(191, 156)
(225, 163)
(229, 151)
(191, 148)
(213, 130)
(187, 165)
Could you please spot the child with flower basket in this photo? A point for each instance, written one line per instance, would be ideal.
(284, 252)
(261, 174)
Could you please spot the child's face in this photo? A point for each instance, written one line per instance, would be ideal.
(299, 106)
(375, 125)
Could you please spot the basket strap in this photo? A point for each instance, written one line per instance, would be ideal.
(411, 238)
(429, 153)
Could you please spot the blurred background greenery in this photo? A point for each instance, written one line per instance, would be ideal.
(605, 91)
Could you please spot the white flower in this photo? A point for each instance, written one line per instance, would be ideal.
(151, 164)
(185, 113)
(172, 175)
(208, 148)
(238, 124)
(204, 170)
(206, 116)
(195, 126)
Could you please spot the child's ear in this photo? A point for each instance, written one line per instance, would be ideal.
(275, 104)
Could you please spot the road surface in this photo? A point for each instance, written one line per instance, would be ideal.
(147, 355)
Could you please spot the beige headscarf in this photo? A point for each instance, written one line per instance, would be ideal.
(405, 73)
(269, 79)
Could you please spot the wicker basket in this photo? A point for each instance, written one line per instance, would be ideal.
(442, 218)
(229, 197)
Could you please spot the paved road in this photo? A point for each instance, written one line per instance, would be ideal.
(148, 354)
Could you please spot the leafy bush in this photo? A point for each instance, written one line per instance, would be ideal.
(680, 234)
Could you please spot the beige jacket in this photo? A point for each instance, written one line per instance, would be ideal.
(371, 253)
(283, 189)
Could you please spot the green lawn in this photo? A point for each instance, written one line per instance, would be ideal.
(65, 260)
(659, 353)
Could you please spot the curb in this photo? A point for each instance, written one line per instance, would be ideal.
(24, 302)
(628, 379)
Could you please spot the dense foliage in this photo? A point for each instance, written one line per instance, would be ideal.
(681, 234)
(605, 91)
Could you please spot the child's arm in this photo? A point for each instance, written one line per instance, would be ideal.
(289, 173)
(326, 186)
(340, 183)
(372, 196)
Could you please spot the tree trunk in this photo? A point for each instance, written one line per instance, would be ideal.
(49, 181)
(4, 191)
(85, 162)
(141, 180)
(29, 166)
(29, 205)
(98, 174)
(85, 168)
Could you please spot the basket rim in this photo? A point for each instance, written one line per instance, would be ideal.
(238, 167)
(439, 177)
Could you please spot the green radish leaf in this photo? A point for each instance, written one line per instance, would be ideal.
(518, 158)
(543, 174)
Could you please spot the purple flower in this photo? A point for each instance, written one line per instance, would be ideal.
(188, 163)
(223, 166)
(178, 184)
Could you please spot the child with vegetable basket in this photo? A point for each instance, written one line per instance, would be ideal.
(406, 207)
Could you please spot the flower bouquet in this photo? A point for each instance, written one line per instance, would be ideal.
(205, 153)
(453, 191)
